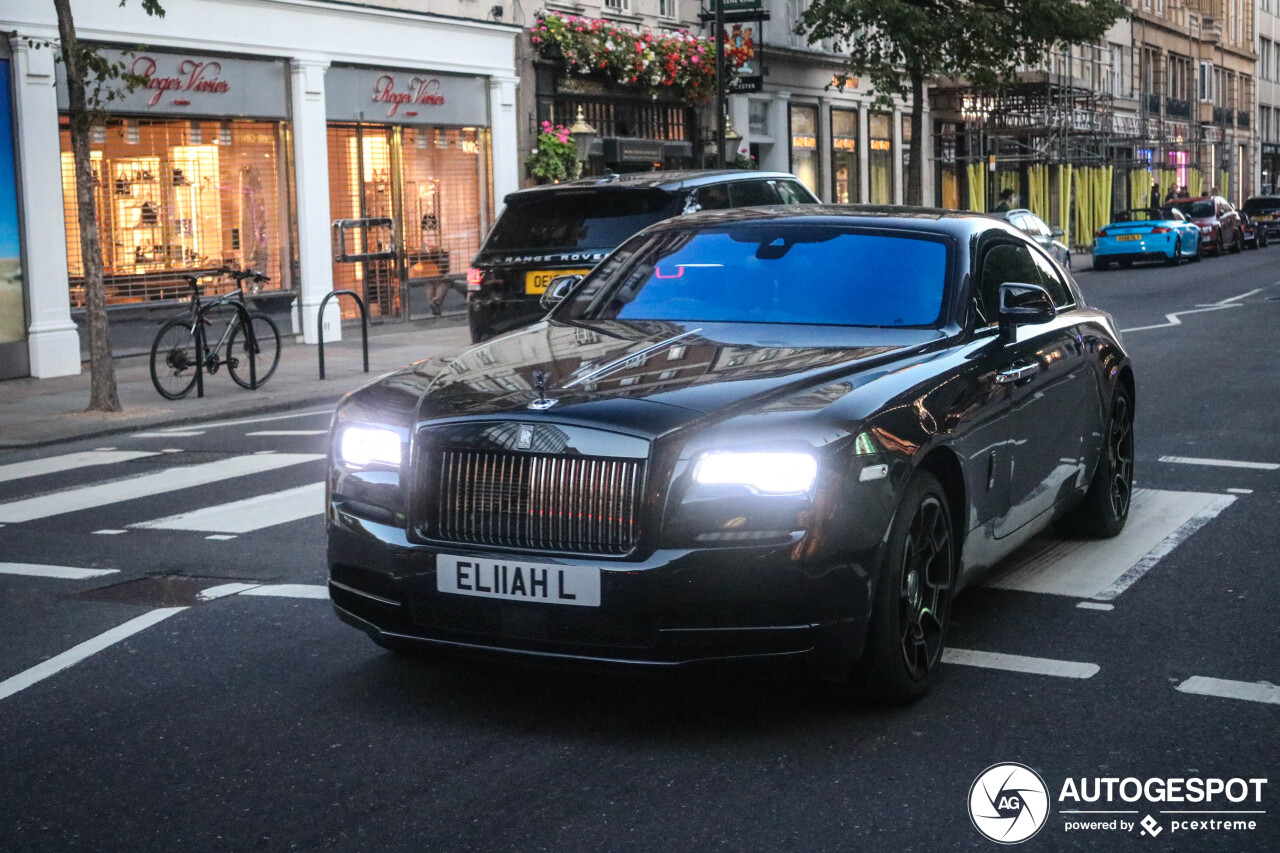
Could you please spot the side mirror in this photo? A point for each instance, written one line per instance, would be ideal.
(1057, 232)
(1023, 304)
(557, 289)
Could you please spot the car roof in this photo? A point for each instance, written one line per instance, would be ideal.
(668, 181)
(956, 223)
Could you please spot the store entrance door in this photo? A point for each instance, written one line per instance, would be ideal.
(366, 206)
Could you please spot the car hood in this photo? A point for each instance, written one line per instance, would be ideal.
(639, 377)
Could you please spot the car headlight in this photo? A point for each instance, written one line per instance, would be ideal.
(363, 445)
(766, 473)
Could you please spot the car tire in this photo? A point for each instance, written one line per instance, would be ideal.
(912, 605)
(1100, 265)
(1238, 246)
(1199, 255)
(1172, 260)
(1105, 508)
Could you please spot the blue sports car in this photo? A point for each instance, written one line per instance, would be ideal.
(1142, 234)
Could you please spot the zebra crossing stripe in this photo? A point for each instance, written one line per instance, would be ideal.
(33, 570)
(245, 516)
(147, 485)
(67, 462)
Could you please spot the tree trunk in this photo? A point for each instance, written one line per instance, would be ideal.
(102, 377)
(915, 160)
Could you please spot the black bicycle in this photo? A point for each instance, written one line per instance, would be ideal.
(183, 342)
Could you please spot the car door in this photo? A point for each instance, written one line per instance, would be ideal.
(1230, 222)
(1048, 383)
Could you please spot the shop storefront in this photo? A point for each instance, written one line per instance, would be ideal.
(846, 186)
(13, 313)
(805, 164)
(880, 158)
(191, 173)
(1270, 164)
(410, 184)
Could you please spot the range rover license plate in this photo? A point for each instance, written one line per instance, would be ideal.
(518, 580)
(535, 283)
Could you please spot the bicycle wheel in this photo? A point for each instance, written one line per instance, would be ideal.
(173, 359)
(268, 356)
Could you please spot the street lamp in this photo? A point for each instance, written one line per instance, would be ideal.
(583, 135)
(732, 139)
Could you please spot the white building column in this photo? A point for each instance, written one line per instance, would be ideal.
(311, 179)
(925, 146)
(899, 179)
(778, 157)
(506, 150)
(53, 344)
(824, 150)
(739, 117)
(864, 152)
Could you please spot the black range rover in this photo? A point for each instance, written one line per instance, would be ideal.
(566, 229)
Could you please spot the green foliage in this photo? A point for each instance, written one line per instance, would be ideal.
(984, 41)
(555, 158)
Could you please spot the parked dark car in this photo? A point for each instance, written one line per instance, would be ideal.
(1039, 230)
(1255, 233)
(1219, 223)
(568, 228)
(1265, 210)
(788, 434)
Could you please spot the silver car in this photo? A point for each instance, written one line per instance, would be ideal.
(1039, 231)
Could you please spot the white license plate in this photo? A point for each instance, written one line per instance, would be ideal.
(518, 581)
(1129, 237)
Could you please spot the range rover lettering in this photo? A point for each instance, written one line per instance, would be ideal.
(770, 435)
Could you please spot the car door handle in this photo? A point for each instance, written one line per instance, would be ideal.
(1016, 374)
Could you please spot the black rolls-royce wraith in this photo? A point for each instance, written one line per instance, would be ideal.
(766, 434)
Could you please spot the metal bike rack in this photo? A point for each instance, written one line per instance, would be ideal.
(364, 326)
(250, 339)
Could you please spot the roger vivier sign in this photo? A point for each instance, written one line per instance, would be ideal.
(405, 97)
(198, 85)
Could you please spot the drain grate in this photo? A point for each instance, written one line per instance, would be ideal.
(155, 591)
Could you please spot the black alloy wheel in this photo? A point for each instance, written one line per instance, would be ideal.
(912, 607)
(1105, 508)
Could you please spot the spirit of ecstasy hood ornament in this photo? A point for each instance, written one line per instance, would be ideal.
(540, 380)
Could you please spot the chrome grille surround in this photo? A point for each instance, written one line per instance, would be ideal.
(545, 502)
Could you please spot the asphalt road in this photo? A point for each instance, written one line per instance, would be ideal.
(256, 721)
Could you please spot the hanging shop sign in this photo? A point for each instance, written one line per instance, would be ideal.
(745, 40)
(196, 84)
(386, 96)
(1125, 125)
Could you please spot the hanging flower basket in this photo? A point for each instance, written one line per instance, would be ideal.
(677, 64)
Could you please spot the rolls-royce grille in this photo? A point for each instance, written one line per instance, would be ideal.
(558, 503)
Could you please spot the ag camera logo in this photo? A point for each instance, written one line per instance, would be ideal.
(1008, 803)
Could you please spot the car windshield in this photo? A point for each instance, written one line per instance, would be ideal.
(585, 219)
(1261, 204)
(771, 273)
(1200, 210)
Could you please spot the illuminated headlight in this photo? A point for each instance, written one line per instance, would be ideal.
(361, 445)
(766, 473)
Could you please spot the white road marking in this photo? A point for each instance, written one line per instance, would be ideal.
(1240, 491)
(65, 572)
(173, 434)
(1260, 691)
(68, 462)
(245, 516)
(75, 654)
(1092, 568)
(171, 450)
(1020, 663)
(290, 432)
(103, 448)
(240, 421)
(1095, 605)
(109, 532)
(1173, 318)
(223, 590)
(290, 590)
(1220, 463)
(221, 537)
(1241, 296)
(160, 482)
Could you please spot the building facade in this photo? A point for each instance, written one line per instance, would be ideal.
(1267, 18)
(324, 144)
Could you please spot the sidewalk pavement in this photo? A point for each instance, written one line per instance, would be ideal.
(36, 412)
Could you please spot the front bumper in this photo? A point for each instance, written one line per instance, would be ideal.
(675, 608)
